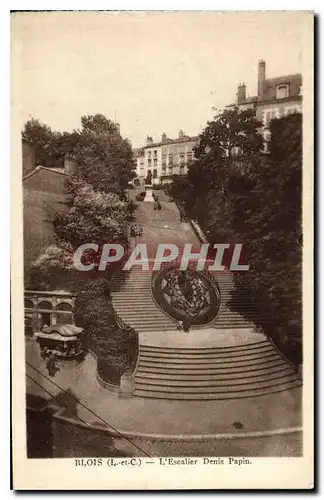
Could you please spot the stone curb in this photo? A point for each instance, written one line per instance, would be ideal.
(180, 437)
(215, 437)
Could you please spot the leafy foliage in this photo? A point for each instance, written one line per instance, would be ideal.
(94, 216)
(271, 227)
(256, 201)
(53, 268)
(104, 158)
(46, 143)
(115, 344)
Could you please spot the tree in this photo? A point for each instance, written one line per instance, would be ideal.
(232, 134)
(105, 160)
(94, 216)
(53, 268)
(268, 219)
(114, 343)
(259, 206)
(46, 143)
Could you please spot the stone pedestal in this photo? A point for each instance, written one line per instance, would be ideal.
(126, 385)
(149, 194)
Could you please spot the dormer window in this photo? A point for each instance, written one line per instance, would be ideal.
(282, 91)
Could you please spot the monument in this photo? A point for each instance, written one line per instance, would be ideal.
(149, 193)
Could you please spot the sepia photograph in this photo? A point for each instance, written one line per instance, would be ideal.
(163, 293)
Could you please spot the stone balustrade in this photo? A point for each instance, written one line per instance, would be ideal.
(47, 308)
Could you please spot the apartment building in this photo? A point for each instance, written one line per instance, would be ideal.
(164, 159)
(276, 97)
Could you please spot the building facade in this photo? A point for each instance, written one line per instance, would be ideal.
(164, 159)
(276, 97)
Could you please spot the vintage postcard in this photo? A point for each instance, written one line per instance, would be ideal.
(162, 246)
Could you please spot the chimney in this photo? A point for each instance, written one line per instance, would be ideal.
(261, 79)
(241, 93)
(149, 140)
(181, 134)
(163, 138)
(69, 165)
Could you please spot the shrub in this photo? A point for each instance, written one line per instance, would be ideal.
(114, 343)
(52, 269)
(93, 216)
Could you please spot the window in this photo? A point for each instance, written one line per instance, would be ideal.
(291, 110)
(155, 152)
(282, 91)
(149, 161)
(155, 161)
(270, 114)
(155, 173)
(149, 153)
(266, 139)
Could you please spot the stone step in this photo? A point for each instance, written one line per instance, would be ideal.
(151, 313)
(225, 378)
(136, 298)
(240, 370)
(233, 323)
(150, 326)
(159, 329)
(217, 395)
(201, 350)
(229, 365)
(217, 325)
(213, 360)
(207, 356)
(138, 303)
(237, 326)
(150, 322)
(192, 386)
(157, 326)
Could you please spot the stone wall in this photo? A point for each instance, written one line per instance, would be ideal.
(28, 158)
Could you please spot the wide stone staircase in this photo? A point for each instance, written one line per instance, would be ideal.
(218, 373)
(133, 301)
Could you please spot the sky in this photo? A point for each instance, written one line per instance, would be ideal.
(153, 72)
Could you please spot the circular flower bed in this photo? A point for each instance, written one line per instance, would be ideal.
(189, 294)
